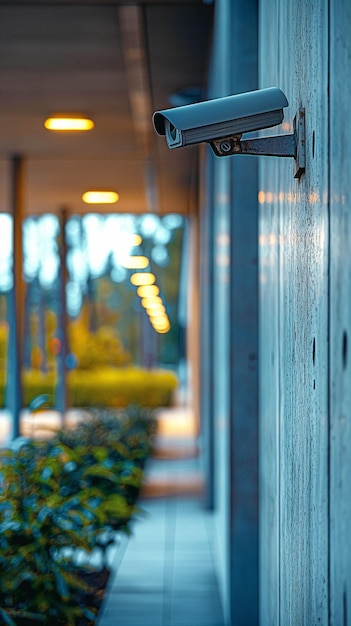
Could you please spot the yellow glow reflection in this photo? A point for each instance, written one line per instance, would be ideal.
(142, 278)
(100, 197)
(314, 197)
(151, 303)
(68, 123)
(136, 263)
(135, 240)
(161, 326)
(146, 291)
(156, 312)
(164, 330)
(160, 319)
(269, 197)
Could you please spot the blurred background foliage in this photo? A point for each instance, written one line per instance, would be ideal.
(108, 331)
(95, 349)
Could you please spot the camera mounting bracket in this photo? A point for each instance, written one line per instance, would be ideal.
(292, 145)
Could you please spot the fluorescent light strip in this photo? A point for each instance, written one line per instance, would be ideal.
(100, 197)
(68, 123)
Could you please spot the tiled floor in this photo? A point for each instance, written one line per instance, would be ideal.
(167, 576)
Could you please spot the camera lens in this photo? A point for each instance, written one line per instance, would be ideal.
(173, 131)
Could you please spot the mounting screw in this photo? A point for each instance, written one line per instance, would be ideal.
(226, 146)
(300, 142)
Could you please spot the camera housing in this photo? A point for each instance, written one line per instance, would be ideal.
(221, 117)
(222, 121)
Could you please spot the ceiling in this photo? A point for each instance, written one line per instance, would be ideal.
(119, 62)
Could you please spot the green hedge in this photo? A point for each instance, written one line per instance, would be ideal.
(110, 387)
(59, 497)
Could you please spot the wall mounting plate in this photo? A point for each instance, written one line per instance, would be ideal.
(289, 145)
(300, 143)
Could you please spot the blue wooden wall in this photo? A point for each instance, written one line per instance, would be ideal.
(305, 317)
(340, 310)
(304, 247)
(294, 260)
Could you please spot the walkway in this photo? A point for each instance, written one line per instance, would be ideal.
(165, 573)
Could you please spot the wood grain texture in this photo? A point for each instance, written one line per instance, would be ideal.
(340, 313)
(294, 327)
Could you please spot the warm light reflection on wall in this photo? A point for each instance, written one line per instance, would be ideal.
(270, 239)
(287, 127)
(261, 197)
(267, 197)
(314, 197)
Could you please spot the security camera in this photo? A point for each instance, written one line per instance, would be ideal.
(222, 121)
(221, 117)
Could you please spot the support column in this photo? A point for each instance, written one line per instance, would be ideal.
(14, 390)
(244, 526)
(207, 325)
(61, 384)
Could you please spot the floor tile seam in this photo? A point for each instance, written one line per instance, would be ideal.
(210, 565)
(124, 591)
(181, 623)
(169, 557)
(201, 547)
(132, 558)
(112, 622)
(209, 522)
